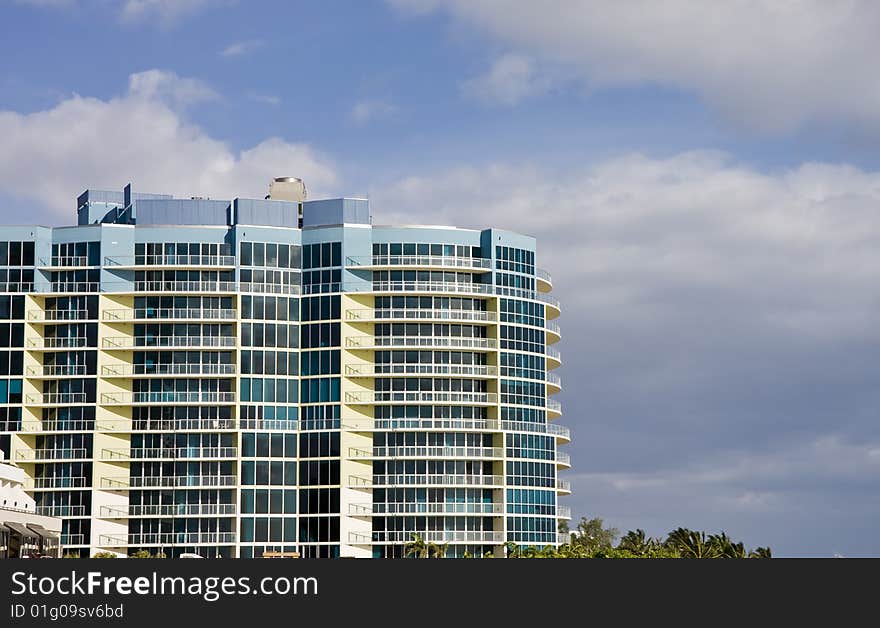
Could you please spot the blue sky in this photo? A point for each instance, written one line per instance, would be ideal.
(702, 179)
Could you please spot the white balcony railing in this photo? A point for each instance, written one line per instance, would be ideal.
(373, 342)
(441, 536)
(466, 370)
(162, 453)
(42, 455)
(127, 370)
(471, 316)
(55, 398)
(57, 343)
(369, 396)
(154, 342)
(128, 314)
(416, 508)
(425, 452)
(425, 479)
(56, 370)
(56, 482)
(166, 510)
(124, 398)
(58, 315)
(433, 261)
(212, 261)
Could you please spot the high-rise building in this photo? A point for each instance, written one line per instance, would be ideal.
(233, 377)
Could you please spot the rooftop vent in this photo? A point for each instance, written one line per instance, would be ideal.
(287, 189)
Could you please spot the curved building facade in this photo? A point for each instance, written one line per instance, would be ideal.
(234, 377)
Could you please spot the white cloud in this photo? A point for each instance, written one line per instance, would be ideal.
(367, 110)
(239, 48)
(719, 334)
(50, 156)
(511, 79)
(166, 11)
(767, 64)
(266, 99)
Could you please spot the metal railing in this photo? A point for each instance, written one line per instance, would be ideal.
(150, 342)
(168, 481)
(563, 458)
(563, 538)
(56, 510)
(415, 314)
(394, 396)
(554, 380)
(185, 286)
(65, 260)
(563, 485)
(166, 510)
(124, 398)
(438, 451)
(55, 398)
(57, 343)
(441, 536)
(58, 315)
(75, 453)
(543, 275)
(170, 260)
(440, 261)
(427, 479)
(161, 453)
(126, 370)
(56, 482)
(372, 342)
(440, 508)
(143, 313)
(563, 512)
(67, 539)
(554, 406)
(62, 425)
(430, 287)
(467, 370)
(56, 370)
(553, 327)
(553, 353)
(168, 538)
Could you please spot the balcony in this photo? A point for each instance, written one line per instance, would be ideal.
(466, 316)
(56, 482)
(457, 370)
(39, 316)
(419, 342)
(554, 357)
(67, 540)
(564, 486)
(56, 399)
(563, 460)
(75, 342)
(554, 409)
(170, 261)
(436, 452)
(56, 370)
(463, 425)
(439, 536)
(422, 508)
(165, 398)
(65, 261)
(371, 397)
(272, 288)
(544, 280)
(72, 425)
(174, 453)
(52, 455)
(554, 382)
(554, 333)
(422, 479)
(419, 261)
(129, 370)
(185, 286)
(167, 314)
(191, 481)
(166, 510)
(563, 512)
(166, 539)
(563, 538)
(161, 342)
(56, 510)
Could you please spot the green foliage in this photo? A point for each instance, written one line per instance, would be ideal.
(416, 547)
(141, 553)
(100, 555)
(70, 555)
(593, 540)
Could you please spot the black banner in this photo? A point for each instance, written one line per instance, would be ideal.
(129, 592)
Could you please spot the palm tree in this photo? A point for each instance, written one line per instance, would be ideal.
(637, 542)
(761, 552)
(416, 547)
(725, 547)
(513, 550)
(691, 544)
(437, 551)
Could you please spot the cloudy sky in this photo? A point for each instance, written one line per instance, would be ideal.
(703, 178)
